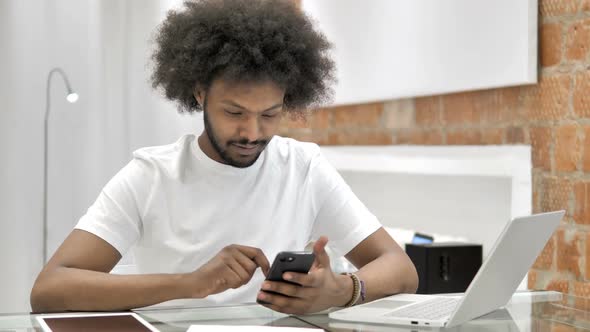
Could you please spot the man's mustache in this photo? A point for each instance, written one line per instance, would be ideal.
(245, 141)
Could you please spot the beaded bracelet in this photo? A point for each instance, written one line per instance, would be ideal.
(363, 291)
(357, 286)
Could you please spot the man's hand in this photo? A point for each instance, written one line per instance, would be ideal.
(232, 267)
(319, 289)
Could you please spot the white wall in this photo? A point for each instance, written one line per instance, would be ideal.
(474, 208)
(427, 47)
(102, 45)
(466, 191)
(459, 191)
(22, 92)
(147, 110)
(87, 140)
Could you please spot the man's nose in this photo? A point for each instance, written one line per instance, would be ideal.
(250, 129)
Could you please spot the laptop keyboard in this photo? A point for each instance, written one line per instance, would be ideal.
(435, 308)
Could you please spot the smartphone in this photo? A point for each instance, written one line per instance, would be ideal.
(289, 261)
(292, 261)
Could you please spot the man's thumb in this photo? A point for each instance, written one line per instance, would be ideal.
(319, 249)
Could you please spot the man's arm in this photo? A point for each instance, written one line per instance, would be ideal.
(77, 278)
(384, 266)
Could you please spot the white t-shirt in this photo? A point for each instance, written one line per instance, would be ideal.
(177, 208)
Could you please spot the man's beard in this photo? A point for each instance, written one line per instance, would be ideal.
(223, 153)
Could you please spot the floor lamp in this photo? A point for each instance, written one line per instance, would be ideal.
(72, 97)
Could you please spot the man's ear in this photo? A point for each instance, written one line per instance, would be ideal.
(199, 95)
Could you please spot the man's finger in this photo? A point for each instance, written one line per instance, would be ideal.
(243, 275)
(321, 256)
(257, 256)
(247, 263)
(280, 303)
(231, 276)
(303, 279)
(284, 288)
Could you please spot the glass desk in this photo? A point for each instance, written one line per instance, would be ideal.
(527, 311)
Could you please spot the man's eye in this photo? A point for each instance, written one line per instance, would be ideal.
(269, 115)
(233, 113)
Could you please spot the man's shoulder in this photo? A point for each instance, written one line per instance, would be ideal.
(164, 152)
(286, 148)
(163, 158)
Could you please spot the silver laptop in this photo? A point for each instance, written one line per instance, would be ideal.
(514, 252)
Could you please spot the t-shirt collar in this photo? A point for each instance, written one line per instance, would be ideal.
(224, 168)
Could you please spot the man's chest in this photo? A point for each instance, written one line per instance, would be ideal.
(224, 211)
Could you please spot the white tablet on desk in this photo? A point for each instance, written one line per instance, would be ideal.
(95, 322)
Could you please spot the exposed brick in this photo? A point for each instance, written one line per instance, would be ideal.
(419, 137)
(582, 203)
(568, 251)
(543, 278)
(560, 285)
(580, 317)
(550, 44)
(578, 40)
(555, 193)
(289, 122)
(532, 279)
(283, 131)
(464, 137)
(427, 111)
(357, 116)
(584, 6)
(545, 259)
(557, 326)
(537, 190)
(492, 107)
(487, 100)
(498, 106)
(540, 141)
(549, 8)
(459, 109)
(540, 325)
(515, 135)
(582, 304)
(316, 118)
(582, 94)
(492, 136)
(372, 137)
(567, 147)
(581, 289)
(509, 104)
(536, 200)
(586, 159)
(398, 114)
(320, 119)
(547, 100)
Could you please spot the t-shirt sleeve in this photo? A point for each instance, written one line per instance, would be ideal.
(116, 214)
(341, 216)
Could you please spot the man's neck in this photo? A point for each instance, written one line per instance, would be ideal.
(207, 147)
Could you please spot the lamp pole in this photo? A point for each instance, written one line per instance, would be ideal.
(72, 97)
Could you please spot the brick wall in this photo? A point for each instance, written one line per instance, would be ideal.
(552, 116)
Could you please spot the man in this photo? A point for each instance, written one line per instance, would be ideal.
(203, 214)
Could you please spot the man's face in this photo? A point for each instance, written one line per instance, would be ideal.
(240, 119)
